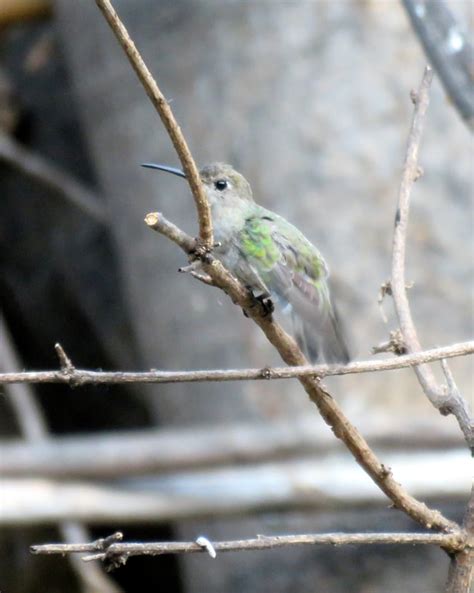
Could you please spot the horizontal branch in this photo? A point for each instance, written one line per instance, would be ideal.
(455, 541)
(332, 481)
(33, 427)
(78, 377)
(127, 453)
(284, 344)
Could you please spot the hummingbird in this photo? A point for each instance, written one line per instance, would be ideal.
(273, 259)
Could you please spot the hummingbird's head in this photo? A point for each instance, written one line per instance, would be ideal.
(224, 186)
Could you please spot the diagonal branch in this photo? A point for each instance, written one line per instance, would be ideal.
(34, 429)
(327, 406)
(286, 346)
(447, 400)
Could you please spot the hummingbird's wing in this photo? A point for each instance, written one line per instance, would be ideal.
(295, 272)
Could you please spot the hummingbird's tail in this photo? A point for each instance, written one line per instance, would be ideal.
(321, 337)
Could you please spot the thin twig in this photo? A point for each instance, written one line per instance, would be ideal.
(34, 429)
(50, 175)
(395, 344)
(77, 377)
(157, 222)
(447, 402)
(113, 553)
(168, 119)
(64, 361)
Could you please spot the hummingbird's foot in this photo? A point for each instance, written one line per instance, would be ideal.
(262, 300)
(266, 304)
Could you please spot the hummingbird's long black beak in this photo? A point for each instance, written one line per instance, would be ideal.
(166, 168)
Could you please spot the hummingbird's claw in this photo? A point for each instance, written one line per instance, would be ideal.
(263, 300)
(267, 304)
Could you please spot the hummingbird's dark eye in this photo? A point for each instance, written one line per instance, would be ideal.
(220, 184)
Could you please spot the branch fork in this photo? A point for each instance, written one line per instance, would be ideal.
(447, 399)
(68, 370)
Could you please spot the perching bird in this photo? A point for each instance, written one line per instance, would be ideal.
(272, 258)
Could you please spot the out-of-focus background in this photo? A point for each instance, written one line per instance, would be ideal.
(310, 101)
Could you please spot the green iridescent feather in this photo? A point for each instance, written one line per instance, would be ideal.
(294, 271)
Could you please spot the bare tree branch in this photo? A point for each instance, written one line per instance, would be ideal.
(449, 51)
(118, 553)
(64, 361)
(35, 431)
(286, 346)
(78, 377)
(327, 406)
(162, 107)
(39, 169)
(127, 453)
(332, 481)
(447, 402)
(447, 399)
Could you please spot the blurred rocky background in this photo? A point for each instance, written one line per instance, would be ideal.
(310, 101)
